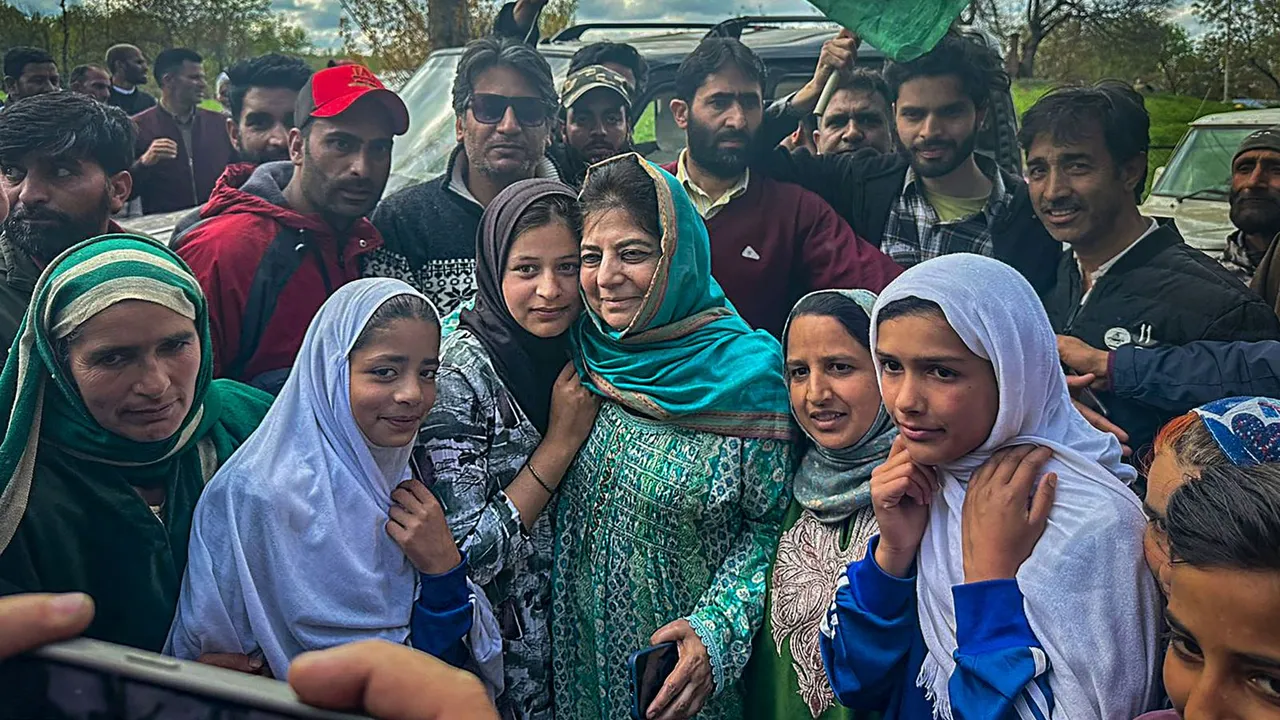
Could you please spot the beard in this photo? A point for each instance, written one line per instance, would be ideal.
(44, 233)
(265, 155)
(1256, 213)
(706, 151)
(942, 166)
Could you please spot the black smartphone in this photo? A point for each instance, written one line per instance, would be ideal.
(87, 679)
(649, 669)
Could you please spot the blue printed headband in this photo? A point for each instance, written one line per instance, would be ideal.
(1247, 429)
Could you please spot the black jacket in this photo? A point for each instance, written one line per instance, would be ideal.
(1178, 379)
(863, 187)
(1161, 292)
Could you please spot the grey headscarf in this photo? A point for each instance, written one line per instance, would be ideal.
(834, 484)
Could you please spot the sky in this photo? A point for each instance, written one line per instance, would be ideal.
(320, 17)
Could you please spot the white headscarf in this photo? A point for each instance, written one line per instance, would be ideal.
(289, 550)
(1088, 595)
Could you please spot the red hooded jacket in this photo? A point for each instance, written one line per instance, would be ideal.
(226, 250)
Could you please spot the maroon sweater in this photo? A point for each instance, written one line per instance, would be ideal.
(778, 242)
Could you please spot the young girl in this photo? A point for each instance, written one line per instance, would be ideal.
(986, 594)
(1224, 543)
(315, 533)
(836, 401)
(509, 418)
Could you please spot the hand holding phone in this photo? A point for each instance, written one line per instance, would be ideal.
(649, 670)
(690, 684)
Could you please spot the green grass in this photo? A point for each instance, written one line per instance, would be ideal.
(1169, 117)
(645, 131)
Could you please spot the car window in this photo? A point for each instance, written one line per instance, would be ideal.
(665, 132)
(423, 152)
(790, 84)
(1202, 161)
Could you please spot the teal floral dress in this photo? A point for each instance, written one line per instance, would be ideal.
(658, 522)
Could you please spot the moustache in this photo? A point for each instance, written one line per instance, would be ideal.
(1270, 196)
(355, 186)
(24, 214)
(738, 135)
(934, 145)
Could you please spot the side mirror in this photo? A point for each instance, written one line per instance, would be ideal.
(1155, 177)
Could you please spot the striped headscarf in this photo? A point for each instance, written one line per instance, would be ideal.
(47, 420)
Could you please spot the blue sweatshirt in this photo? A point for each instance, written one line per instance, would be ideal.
(872, 649)
(441, 617)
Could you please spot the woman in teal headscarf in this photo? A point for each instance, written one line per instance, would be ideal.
(671, 511)
(114, 425)
(835, 398)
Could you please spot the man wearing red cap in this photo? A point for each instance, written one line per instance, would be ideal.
(269, 252)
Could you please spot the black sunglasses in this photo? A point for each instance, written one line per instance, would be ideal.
(490, 109)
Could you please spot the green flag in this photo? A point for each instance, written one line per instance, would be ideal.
(902, 29)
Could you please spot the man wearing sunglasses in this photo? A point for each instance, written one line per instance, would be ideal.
(504, 100)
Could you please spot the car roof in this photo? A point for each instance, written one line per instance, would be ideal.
(662, 46)
(1241, 117)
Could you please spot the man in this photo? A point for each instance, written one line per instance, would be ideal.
(128, 68)
(937, 196)
(856, 117)
(1127, 280)
(504, 102)
(771, 243)
(182, 148)
(91, 80)
(261, 97)
(64, 161)
(597, 119)
(1255, 208)
(29, 72)
(269, 253)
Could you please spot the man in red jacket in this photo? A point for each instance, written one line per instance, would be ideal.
(771, 242)
(270, 252)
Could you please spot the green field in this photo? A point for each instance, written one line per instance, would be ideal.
(1169, 117)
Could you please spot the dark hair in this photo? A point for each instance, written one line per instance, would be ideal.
(607, 51)
(909, 307)
(171, 60)
(79, 72)
(272, 70)
(710, 57)
(978, 67)
(547, 210)
(868, 81)
(834, 305)
(1228, 518)
(66, 124)
(622, 184)
(489, 52)
(1070, 114)
(17, 60)
(117, 53)
(398, 307)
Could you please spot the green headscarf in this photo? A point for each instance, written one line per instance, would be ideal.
(687, 357)
(49, 434)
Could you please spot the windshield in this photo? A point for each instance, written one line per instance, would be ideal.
(424, 151)
(1202, 161)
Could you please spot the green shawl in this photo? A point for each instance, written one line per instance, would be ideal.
(687, 357)
(70, 518)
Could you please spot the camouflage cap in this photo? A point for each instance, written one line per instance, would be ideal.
(585, 79)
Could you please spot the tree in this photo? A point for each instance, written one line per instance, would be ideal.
(1142, 46)
(1244, 36)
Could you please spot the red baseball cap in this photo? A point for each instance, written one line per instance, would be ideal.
(331, 91)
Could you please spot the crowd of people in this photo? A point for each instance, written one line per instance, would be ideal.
(862, 422)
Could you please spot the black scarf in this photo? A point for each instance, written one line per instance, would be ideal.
(527, 364)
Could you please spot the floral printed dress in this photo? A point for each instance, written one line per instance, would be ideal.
(658, 522)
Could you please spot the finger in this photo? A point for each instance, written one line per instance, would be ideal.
(420, 492)
(1043, 502)
(1076, 383)
(1025, 473)
(999, 467)
(397, 532)
(567, 373)
(390, 682)
(673, 686)
(233, 661)
(29, 621)
(898, 447)
(400, 516)
(405, 498)
(673, 631)
(682, 707)
(1100, 422)
(1010, 462)
(923, 485)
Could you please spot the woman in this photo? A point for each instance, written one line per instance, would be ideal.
(1224, 542)
(976, 578)
(114, 426)
(671, 512)
(509, 418)
(288, 550)
(1232, 431)
(836, 401)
